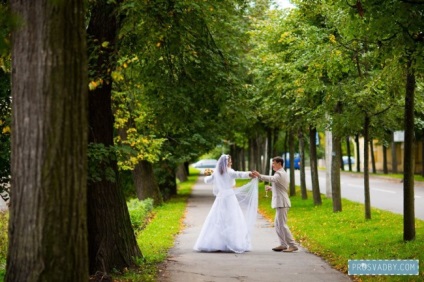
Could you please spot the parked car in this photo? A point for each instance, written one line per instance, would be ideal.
(346, 160)
(286, 157)
(204, 164)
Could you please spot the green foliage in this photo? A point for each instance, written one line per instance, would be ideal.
(126, 183)
(139, 213)
(99, 158)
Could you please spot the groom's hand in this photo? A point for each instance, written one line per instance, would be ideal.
(255, 173)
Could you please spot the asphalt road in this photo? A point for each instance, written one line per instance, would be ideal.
(385, 193)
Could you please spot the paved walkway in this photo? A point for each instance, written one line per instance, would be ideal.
(261, 264)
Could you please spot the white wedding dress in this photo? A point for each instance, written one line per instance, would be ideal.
(230, 221)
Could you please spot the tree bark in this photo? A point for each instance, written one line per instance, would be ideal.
(145, 183)
(335, 168)
(182, 174)
(270, 150)
(314, 166)
(165, 174)
(394, 156)
(292, 179)
(335, 175)
(374, 169)
(358, 154)
(385, 169)
(348, 153)
(408, 160)
(302, 166)
(47, 224)
(112, 243)
(367, 197)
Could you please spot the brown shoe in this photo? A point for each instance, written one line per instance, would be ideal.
(291, 249)
(279, 249)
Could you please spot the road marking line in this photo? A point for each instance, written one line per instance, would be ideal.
(382, 190)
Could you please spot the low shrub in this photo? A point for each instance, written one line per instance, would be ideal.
(140, 212)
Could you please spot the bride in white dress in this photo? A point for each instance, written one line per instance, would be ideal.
(230, 221)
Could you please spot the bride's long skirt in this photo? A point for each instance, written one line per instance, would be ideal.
(225, 227)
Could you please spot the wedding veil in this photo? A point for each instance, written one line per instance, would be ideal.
(247, 195)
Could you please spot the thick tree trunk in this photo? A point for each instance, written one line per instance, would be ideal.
(165, 174)
(292, 179)
(112, 243)
(314, 166)
(302, 166)
(366, 169)
(408, 160)
(182, 174)
(47, 227)
(145, 183)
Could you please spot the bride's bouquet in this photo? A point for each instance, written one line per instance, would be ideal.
(208, 171)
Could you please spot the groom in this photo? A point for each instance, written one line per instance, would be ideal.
(281, 203)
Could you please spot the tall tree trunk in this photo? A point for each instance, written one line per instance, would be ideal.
(408, 159)
(335, 175)
(302, 166)
(385, 169)
(47, 224)
(358, 153)
(394, 156)
(270, 150)
(292, 178)
(335, 169)
(348, 153)
(274, 148)
(366, 169)
(182, 174)
(112, 243)
(145, 183)
(165, 174)
(374, 169)
(314, 166)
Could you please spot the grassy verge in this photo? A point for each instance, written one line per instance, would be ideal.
(158, 236)
(338, 237)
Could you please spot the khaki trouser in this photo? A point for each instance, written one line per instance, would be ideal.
(282, 229)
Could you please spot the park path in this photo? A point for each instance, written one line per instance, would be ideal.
(261, 264)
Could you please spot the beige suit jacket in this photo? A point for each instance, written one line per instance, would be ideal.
(280, 188)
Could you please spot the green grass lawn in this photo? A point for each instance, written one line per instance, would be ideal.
(338, 237)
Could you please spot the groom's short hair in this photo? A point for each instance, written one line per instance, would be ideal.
(279, 160)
